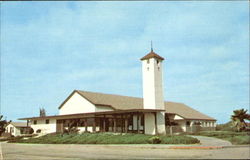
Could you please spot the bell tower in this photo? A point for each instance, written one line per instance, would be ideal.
(152, 68)
(153, 97)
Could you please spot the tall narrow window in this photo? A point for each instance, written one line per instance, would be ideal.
(35, 122)
(148, 61)
(158, 64)
(47, 121)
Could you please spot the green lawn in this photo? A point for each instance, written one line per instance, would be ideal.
(107, 138)
(233, 137)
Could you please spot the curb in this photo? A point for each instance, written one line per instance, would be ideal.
(195, 147)
(236, 146)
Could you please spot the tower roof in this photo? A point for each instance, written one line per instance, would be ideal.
(152, 54)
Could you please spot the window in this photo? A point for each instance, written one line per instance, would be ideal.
(35, 122)
(148, 68)
(47, 121)
(22, 130)
(158, 64)
(142, 120)
(130, 120)
(197, 123)
(148, 61)
(188, 123)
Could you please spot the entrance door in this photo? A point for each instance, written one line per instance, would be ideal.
(107, 125)
(59, 126)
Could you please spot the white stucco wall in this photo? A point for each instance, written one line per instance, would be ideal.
(161, 129)
(103, 108)
(149, 121)
(176, 117)
(77, 104)
(152, 84)
(45, 128)
(15, 130)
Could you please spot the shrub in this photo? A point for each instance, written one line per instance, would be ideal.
(240, 139)
(155, 140)
(38, 131)
(179, 140)
(229, 126)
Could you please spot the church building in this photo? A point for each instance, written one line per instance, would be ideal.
(99, 112)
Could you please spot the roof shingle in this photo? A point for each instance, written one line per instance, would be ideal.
(152, 54)
(19, 124)
(125, 102)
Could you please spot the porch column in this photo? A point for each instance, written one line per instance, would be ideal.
(94, 125)
(114, 123)
(156, 129)
(104, 124)
(122, 125)
(62, 125)
(132, 122)
(171, 130)
(143, 123)
(138, 127)
(77, 123)
(86, 125)
(126, 124)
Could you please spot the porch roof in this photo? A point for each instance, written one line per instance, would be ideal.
(83, 115)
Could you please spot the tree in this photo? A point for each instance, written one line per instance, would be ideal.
(72, 126)
(238, 118)
(3, 124)
(42, 112)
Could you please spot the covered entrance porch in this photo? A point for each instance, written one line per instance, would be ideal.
(121, 121)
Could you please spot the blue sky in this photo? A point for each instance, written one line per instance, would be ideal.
(48, 49)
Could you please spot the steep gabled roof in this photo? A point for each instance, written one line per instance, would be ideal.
(185, 111)
(152, 54)
(119, 102)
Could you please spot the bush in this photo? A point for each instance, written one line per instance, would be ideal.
(229, 126)
(155, 140)
(38, 131)
(240, 139)
(180, 140)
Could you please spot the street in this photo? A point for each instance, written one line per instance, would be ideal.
(75, 151)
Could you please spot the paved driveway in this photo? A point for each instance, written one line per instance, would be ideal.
(210, 141)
